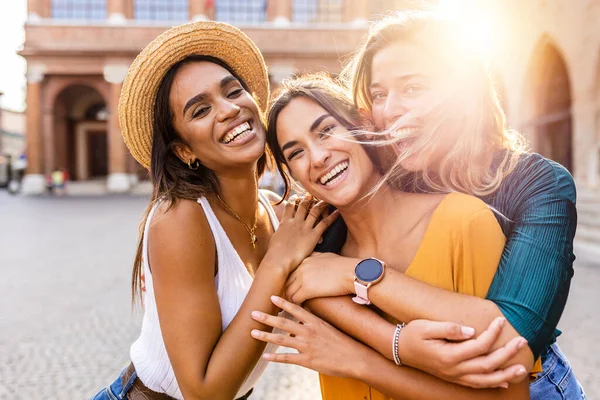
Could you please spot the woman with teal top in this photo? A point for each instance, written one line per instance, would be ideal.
(533, 196)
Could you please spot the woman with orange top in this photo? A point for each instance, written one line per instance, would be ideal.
(437, 109)
(448, 240)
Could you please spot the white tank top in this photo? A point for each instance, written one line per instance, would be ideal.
(233, 281)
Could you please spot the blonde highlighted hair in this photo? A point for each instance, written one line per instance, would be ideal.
(470, 108)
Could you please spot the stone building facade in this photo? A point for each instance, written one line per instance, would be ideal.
(78, 52)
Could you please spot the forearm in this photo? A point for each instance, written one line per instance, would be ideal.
(408, 383)
(407, 299)
(236, 353)
(359, 322)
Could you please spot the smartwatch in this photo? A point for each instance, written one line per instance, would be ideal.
(366, 273)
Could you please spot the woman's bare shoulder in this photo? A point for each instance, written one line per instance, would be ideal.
(180, 224)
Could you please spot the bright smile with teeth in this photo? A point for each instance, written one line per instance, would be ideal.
(334, 175)
(405, 132)
(237, 133)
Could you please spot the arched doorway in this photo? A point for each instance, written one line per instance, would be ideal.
(80, 131)
(549, 92)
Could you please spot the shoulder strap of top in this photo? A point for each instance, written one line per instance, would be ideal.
(217, 230)
(262, 197)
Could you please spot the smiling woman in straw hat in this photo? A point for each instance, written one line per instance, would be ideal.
(191, 111)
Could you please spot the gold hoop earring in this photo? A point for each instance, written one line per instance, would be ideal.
(196, 163)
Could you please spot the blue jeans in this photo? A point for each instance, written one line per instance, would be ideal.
(116, 391)
(556, 381)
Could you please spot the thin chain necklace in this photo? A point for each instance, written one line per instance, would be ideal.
(253, 238)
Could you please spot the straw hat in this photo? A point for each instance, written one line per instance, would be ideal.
(209, 38)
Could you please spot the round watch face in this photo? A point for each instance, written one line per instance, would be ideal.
(368, 270)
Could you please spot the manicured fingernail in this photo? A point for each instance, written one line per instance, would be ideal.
(256, 314)
(276, 299)
(504, 385)
(268, 356)
(255, 333)
(501, 321)
(522, 343)
(521, 371)
(467, 331)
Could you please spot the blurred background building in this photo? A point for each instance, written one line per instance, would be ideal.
(78, 53)
(12, 141)
(544, 56)
(12, 133)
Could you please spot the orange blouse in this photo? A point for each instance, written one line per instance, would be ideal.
(460, 251)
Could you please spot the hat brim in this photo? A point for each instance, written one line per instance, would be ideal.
(208, 38)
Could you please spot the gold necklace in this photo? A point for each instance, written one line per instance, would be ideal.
(253, 238)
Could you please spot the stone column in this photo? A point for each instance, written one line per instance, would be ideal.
(116, 12)
(356, 12)
(118, 181)
(132, 167)
(279, 12)
(198, 10)
(34, 182)
(48, 139)
(34, 10)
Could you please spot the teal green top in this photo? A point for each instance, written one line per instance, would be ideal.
(535, 206)
(533, 279)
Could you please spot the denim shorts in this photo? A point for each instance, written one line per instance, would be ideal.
(116, 391)
(557, 380)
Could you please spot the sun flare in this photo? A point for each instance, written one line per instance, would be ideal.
(479, 22)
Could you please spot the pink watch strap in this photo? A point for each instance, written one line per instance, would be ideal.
(362, 295)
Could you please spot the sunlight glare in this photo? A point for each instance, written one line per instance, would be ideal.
(479, 24)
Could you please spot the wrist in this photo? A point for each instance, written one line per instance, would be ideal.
(403, 347)
(367, 273)
(277, 265)
(361, 366)
(350, 275)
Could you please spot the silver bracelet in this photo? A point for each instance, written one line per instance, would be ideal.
(395, 343)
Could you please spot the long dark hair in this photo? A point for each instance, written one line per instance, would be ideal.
(171, 178)
(334, 99)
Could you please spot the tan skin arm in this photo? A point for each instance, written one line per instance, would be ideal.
(408, 299)
(405, 299)
(471, 358)
(209, 364)
(323, 348)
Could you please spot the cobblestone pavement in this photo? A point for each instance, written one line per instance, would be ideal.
(65, 318)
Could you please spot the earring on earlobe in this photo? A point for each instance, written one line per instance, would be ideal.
(196, 163)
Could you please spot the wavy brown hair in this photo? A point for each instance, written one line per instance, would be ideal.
(173, 180)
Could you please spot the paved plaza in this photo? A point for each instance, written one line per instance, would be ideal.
(66, 321)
